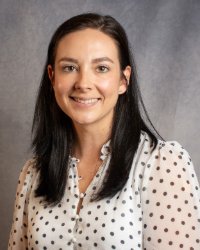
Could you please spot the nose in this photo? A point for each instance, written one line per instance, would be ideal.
(83, 81)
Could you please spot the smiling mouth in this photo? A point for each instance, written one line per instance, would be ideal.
(86, 101)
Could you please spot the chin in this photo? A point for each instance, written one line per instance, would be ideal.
(84, 121)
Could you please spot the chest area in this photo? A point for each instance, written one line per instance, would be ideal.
(109, 221)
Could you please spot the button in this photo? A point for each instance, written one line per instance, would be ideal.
(74, 240)
(80, 178)
(82, 195)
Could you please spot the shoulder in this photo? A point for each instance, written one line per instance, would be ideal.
(169, 160)
(27, 174)
(28, 168)
(165, 150)
(171, 153)
(169, 163)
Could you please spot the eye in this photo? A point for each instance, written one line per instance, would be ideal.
(102, 69)
(69, 68)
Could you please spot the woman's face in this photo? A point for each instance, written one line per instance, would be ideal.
(86, 79)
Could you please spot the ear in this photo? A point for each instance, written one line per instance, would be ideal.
(125, 80)
(50, 74)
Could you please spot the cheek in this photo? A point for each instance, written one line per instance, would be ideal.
(60, 87)
(110, 87)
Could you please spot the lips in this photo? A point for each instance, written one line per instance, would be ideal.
(85, 100)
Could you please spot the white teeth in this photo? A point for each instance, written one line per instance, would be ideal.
(86, 101)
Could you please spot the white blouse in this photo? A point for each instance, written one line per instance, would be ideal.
(158, 208)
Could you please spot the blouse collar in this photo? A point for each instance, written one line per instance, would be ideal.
(105, 151)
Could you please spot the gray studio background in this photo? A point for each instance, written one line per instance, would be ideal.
(165, 36)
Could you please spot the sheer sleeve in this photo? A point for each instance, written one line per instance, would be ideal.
(171, 200)
(18, 233)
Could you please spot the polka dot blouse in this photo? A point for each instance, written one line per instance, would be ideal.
(158, 208)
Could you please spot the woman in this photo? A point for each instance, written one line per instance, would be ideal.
(101, 178)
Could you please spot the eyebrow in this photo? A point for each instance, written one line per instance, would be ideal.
(96, 60)
(102, 59)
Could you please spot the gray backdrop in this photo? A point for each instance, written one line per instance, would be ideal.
(165, 36)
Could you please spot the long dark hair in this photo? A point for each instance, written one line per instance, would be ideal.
(52, 129)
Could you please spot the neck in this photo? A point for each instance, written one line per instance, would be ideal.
(89, 141)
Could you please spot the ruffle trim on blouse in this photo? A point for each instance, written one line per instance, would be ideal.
(105, 151)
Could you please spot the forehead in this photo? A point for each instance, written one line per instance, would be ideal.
(87, 43)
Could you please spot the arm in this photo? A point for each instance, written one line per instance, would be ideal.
(171, 202)
(18, 233)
